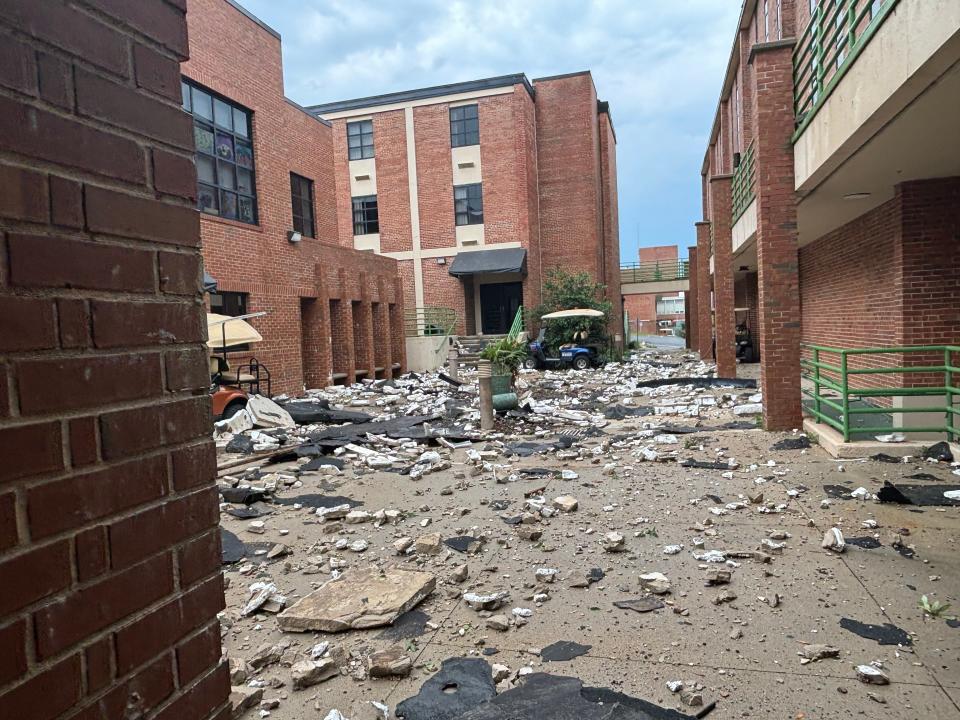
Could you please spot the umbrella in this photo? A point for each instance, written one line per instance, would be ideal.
(225, 331)
(576, 312)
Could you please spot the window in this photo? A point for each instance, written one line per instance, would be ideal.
(226, 184)
(301, 195)
(468, 204)
(766, 20)
(232, 304)
(360, 139)
(464, 126)
(366, 221)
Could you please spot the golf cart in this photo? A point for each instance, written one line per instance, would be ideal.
(744, 338)
(578, 354)
(230, 388)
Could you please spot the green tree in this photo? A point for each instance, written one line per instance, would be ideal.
(564, 291)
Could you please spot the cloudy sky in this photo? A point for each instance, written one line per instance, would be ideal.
(658, 62)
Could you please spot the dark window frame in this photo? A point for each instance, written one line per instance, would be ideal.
(362, 129)
(237, 304)
(304, 221)
(469, 207)
(366, 215)
(222, 165)
(464, 125)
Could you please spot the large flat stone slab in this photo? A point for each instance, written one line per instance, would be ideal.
(358, 599)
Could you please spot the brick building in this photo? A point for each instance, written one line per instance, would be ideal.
(266, 171)
(831, 195)
(479, 188)
(650, 313)
(109, 545)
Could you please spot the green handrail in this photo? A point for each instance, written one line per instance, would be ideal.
(742, 184)
(836, 378)
(836, 34)
(517, 327)
(657, 271)
(429, 321)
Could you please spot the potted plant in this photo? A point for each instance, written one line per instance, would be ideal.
(505, 355)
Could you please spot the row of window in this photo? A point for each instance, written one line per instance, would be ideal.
(467, 209)
(464, 130)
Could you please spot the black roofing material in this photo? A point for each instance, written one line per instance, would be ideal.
(700, 382)
(563, 650)
(460, 685)
(501, 260)
(886, 634)
(929, 495)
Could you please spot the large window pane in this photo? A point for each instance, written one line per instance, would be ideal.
(360, 139)
(224, 155)
(468, 204)
(365, 217)
(185, 96)
(464, 126)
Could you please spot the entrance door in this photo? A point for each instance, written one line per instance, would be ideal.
(499, 303)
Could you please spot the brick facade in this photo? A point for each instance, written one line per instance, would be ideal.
(109, 548)
(294, 284)
(548, 170)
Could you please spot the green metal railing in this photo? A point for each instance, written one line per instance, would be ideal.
(517, 327)
(742, 184)
(655, 271)
(429, 321)
(832, 388)
(833, 39)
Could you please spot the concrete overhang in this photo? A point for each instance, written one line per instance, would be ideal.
(893, 117)
(660, 287)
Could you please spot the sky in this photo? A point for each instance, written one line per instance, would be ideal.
(659, 63)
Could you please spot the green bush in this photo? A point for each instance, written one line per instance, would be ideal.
(565, 291)
(506, 355)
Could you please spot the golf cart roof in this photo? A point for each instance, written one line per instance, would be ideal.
(576, 312)
(224, 331)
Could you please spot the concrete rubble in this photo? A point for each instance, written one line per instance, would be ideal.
(378, 540)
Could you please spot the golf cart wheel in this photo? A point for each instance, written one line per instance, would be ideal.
(233, 408)
(581, 362)
(530, 363)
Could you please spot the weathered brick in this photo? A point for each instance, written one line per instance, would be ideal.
(199, 558)
(66, 202)
(41, 134)
(111, 102)
(83, 382)
(151, 685)
(83, 441)
(9, 533)
(193, 466)
(127, 432)
(92, 553)
(187, 369)
(30, 450)
(23, 194)
(48, 570)
(156, 72)
(13, 659)
(26, 324)
(46, 695)
(147, 532)
(77, 500)
(117, 324)
(17, 66)
(156, 20)
(74, 320)
(202, 699)
(99, 664)
(167, 624)
(180, 273)
(66, 27)
(55, 81)
(98, 606)
(198, 653)
(59, 262)
(174, 175)
(117, 213)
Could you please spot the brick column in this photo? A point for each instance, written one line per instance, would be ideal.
(110, 577)
(723, 275)
(704, 316)
(383, 347)
(693, 326)
(778, 277)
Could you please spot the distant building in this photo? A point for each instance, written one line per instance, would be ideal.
(478, 188)
(660, 311)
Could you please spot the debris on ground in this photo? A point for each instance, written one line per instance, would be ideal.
(616, 512)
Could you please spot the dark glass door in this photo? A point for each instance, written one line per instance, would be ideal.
(499, 303)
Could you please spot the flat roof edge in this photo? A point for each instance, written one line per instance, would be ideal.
(250, 16)
(423, 93)
(302, 109)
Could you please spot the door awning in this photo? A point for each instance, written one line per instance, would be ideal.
(502, 260)
(209, 282)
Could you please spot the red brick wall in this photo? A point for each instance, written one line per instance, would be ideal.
(889, 278)
(658, 253)
(109, 548)
(610, 240)
(258, 259)
(642, 312)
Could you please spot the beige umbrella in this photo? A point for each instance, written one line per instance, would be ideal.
(224, 331)
(576, 312)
